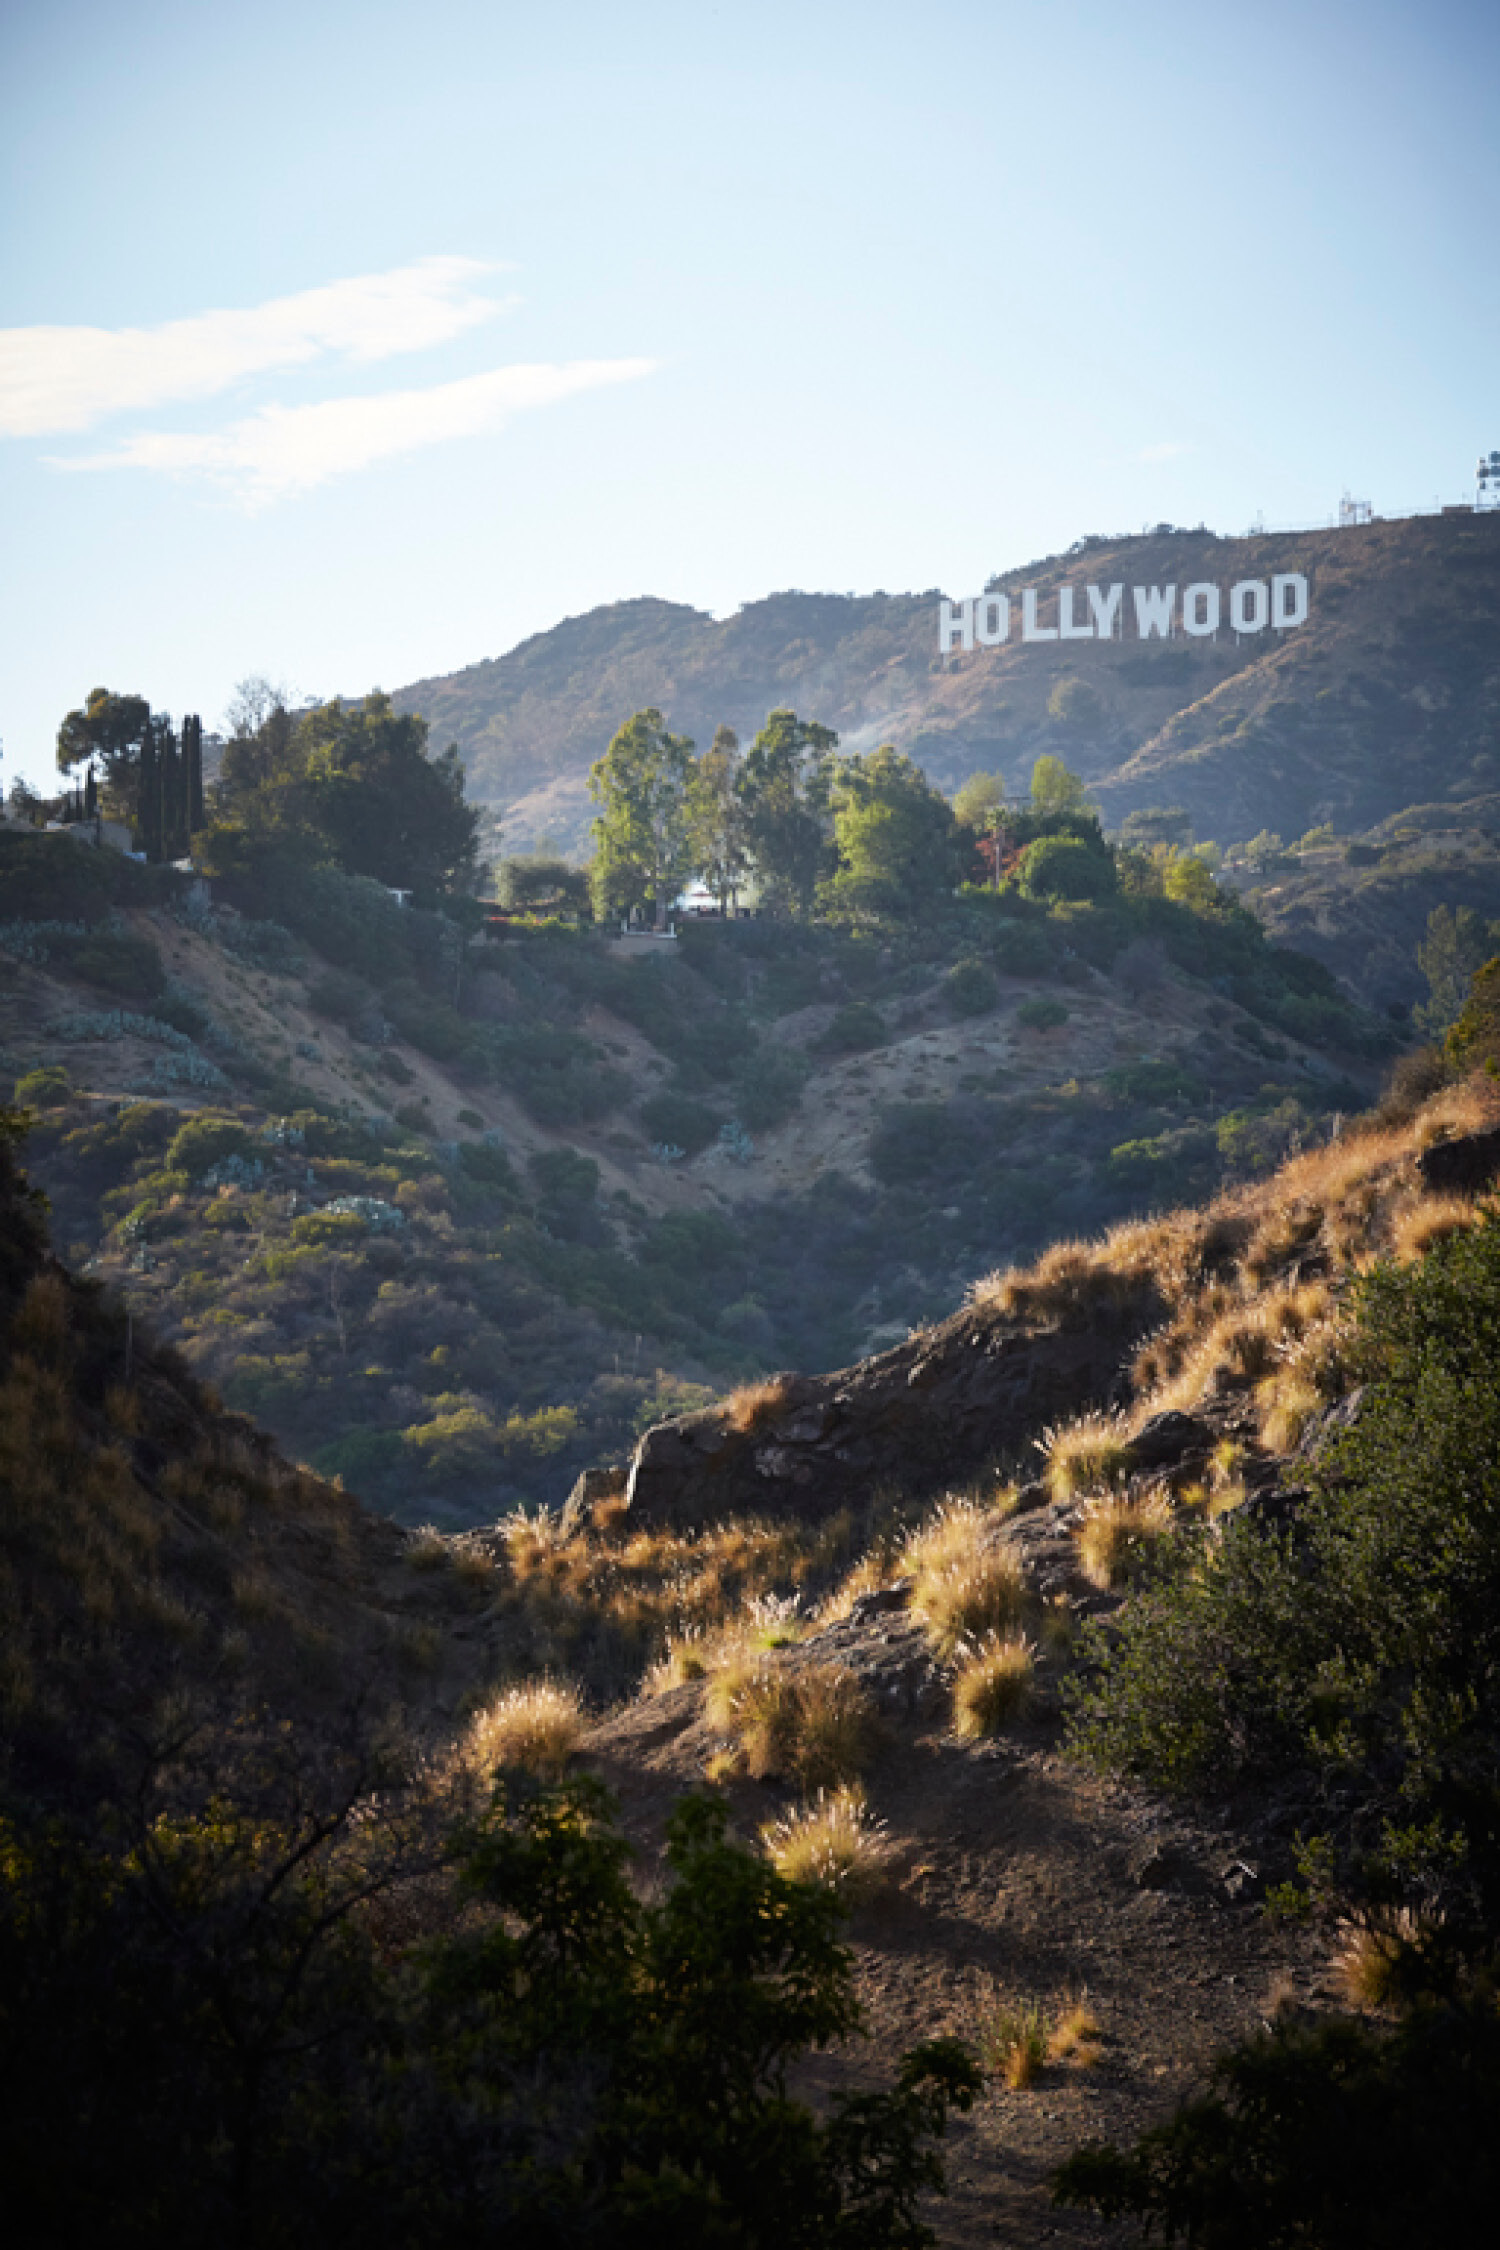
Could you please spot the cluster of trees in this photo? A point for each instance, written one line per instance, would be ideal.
(139, 769)
(349, 786)
(865, 833)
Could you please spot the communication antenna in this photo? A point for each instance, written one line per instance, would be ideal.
(1353, 511)
(1487, 481)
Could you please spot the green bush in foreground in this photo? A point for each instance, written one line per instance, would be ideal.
(1362, 1648)
(1337, 2137)
(226, 2033)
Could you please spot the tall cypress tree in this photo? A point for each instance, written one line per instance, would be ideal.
(169, 770)
(149, 819)
(192, 754)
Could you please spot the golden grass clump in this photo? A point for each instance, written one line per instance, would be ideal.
(992, 1685)
(1116, 1537)
(1286, 1403)
(1076, 2037)
(810, 1723)
(983, 1592)
(1073, 1281)
(1423, 1225)
(1011, 2036)
(753, 1405)
(537, 1726)
(1289, 1228)
(1086, 1454)
(427, 1549)
(1372, 1966)
(834, 1842)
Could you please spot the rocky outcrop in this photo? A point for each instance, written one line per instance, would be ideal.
(941, 1407)
(1462, 1166)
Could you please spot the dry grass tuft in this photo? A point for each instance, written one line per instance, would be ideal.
(983, 1592)
(813, 1724)
(1286, 1403)
(1011, 2036)
(1086, 1454)
(834, 1842)
(992, 1685)
(537, 1727)
(753, 1405)
(427, 1549)
(1076, 2037)
(1372, 1966)
(1423, 1225)
(1117, 1538)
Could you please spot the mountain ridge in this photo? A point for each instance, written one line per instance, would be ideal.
(1388, 695)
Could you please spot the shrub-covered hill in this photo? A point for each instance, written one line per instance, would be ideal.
(1361, 904)
(456, 1220)
(869, 1682)
(1388, 696)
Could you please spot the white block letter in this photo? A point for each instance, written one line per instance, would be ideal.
(1288, 599)
(991, 620)
(1105, 609)
(955, 625)
(1200, 611)
(1065, 626)
(1153, 611)
(1250, 606)
(1030, 630)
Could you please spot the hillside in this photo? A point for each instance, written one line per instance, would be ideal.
(1169, 1380)
(1388, 696)
(456, 1226)
(1361, 905)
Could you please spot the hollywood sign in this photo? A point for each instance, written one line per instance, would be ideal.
(1098, 613)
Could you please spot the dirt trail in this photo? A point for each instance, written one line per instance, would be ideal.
(1019, 1875)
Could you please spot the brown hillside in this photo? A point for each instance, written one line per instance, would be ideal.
(1388, 696)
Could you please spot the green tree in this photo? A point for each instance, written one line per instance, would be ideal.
(979, 802)
(690, 2012)
(1158, 824)
(643, 835)
(784, 788)
(1456, 946)
(1064, 867)
(716, 810)
(110, 729)
(381, 805)
(1334, 2136)
(894, 833)
(1474, 1041)
(539, 882)
(1076, 708)
(1055, 790)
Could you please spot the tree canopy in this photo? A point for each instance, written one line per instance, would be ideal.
(895, 834)
(644, 831)
(784, 788)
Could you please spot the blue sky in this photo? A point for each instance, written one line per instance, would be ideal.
(349, 343)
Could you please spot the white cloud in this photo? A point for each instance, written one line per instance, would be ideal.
(71, 378)
(289, 449)
(1167, 452)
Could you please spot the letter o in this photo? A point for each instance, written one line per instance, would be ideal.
(1250, 606)
(1200, 610)
(991, 620)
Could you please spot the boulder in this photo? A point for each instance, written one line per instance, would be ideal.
(1462, 1166)
(937, 1409)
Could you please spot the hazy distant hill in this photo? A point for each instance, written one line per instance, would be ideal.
(1388, 696)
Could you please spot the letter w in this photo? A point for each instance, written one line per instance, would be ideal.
(1153, 611)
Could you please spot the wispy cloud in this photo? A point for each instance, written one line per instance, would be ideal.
(71, 378)
(1169, 451)
(285, 450)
